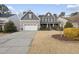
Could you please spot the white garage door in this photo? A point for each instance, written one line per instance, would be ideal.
(30, 27)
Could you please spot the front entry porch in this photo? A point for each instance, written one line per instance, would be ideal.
(48, 26)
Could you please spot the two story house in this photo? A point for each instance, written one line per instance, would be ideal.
(29, 21)
(48, 20)
(9, 17)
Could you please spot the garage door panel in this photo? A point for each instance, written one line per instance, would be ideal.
(30, 27)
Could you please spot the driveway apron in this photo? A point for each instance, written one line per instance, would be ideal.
(16, 43)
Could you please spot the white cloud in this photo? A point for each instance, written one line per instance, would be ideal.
(73, 6)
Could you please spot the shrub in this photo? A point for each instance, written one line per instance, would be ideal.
(56, 27)
(61, 28)
(72, 33)
(10, 27)
(68, 25)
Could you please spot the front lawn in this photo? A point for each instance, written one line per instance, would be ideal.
(45, 43)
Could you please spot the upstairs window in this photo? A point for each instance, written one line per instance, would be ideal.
(50, 20)
(47, 19)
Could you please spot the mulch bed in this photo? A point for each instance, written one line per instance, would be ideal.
(63, 38)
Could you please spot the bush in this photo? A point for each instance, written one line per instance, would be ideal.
(61, 29)
(72, 33)
(56, 27)
(10, 27)
(68, 25)
(42, 28)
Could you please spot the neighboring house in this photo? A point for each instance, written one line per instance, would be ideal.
(9, 17)
(48, 20)
(75, 23)
(74, 20)
(29, 21)
(62, 21)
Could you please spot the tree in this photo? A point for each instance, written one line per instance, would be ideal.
(24, 12)
(4, 9)
(10, 27)
(73, 14)
(68, 25)
(55, 15)
(62, 14)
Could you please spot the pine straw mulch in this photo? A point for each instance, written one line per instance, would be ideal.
(63, 38)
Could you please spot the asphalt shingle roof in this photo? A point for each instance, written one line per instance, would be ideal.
(26, 16)
(6, 15)
(73, 18)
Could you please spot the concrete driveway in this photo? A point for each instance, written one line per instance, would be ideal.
(16, 43)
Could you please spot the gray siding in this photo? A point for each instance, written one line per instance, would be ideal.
(47, 19)
(28, 20)
(27, 17)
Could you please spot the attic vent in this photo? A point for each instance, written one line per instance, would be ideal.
(48, 14)
(30, 16)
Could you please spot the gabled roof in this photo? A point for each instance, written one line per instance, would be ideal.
(77, 21)
(47, 15)
(26, 16)
(73, 18)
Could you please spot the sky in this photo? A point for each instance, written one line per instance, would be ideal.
(43, 8)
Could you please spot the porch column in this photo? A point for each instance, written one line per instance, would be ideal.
(3, 27)
(47, 25)
(53, 25)
(50, 26)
